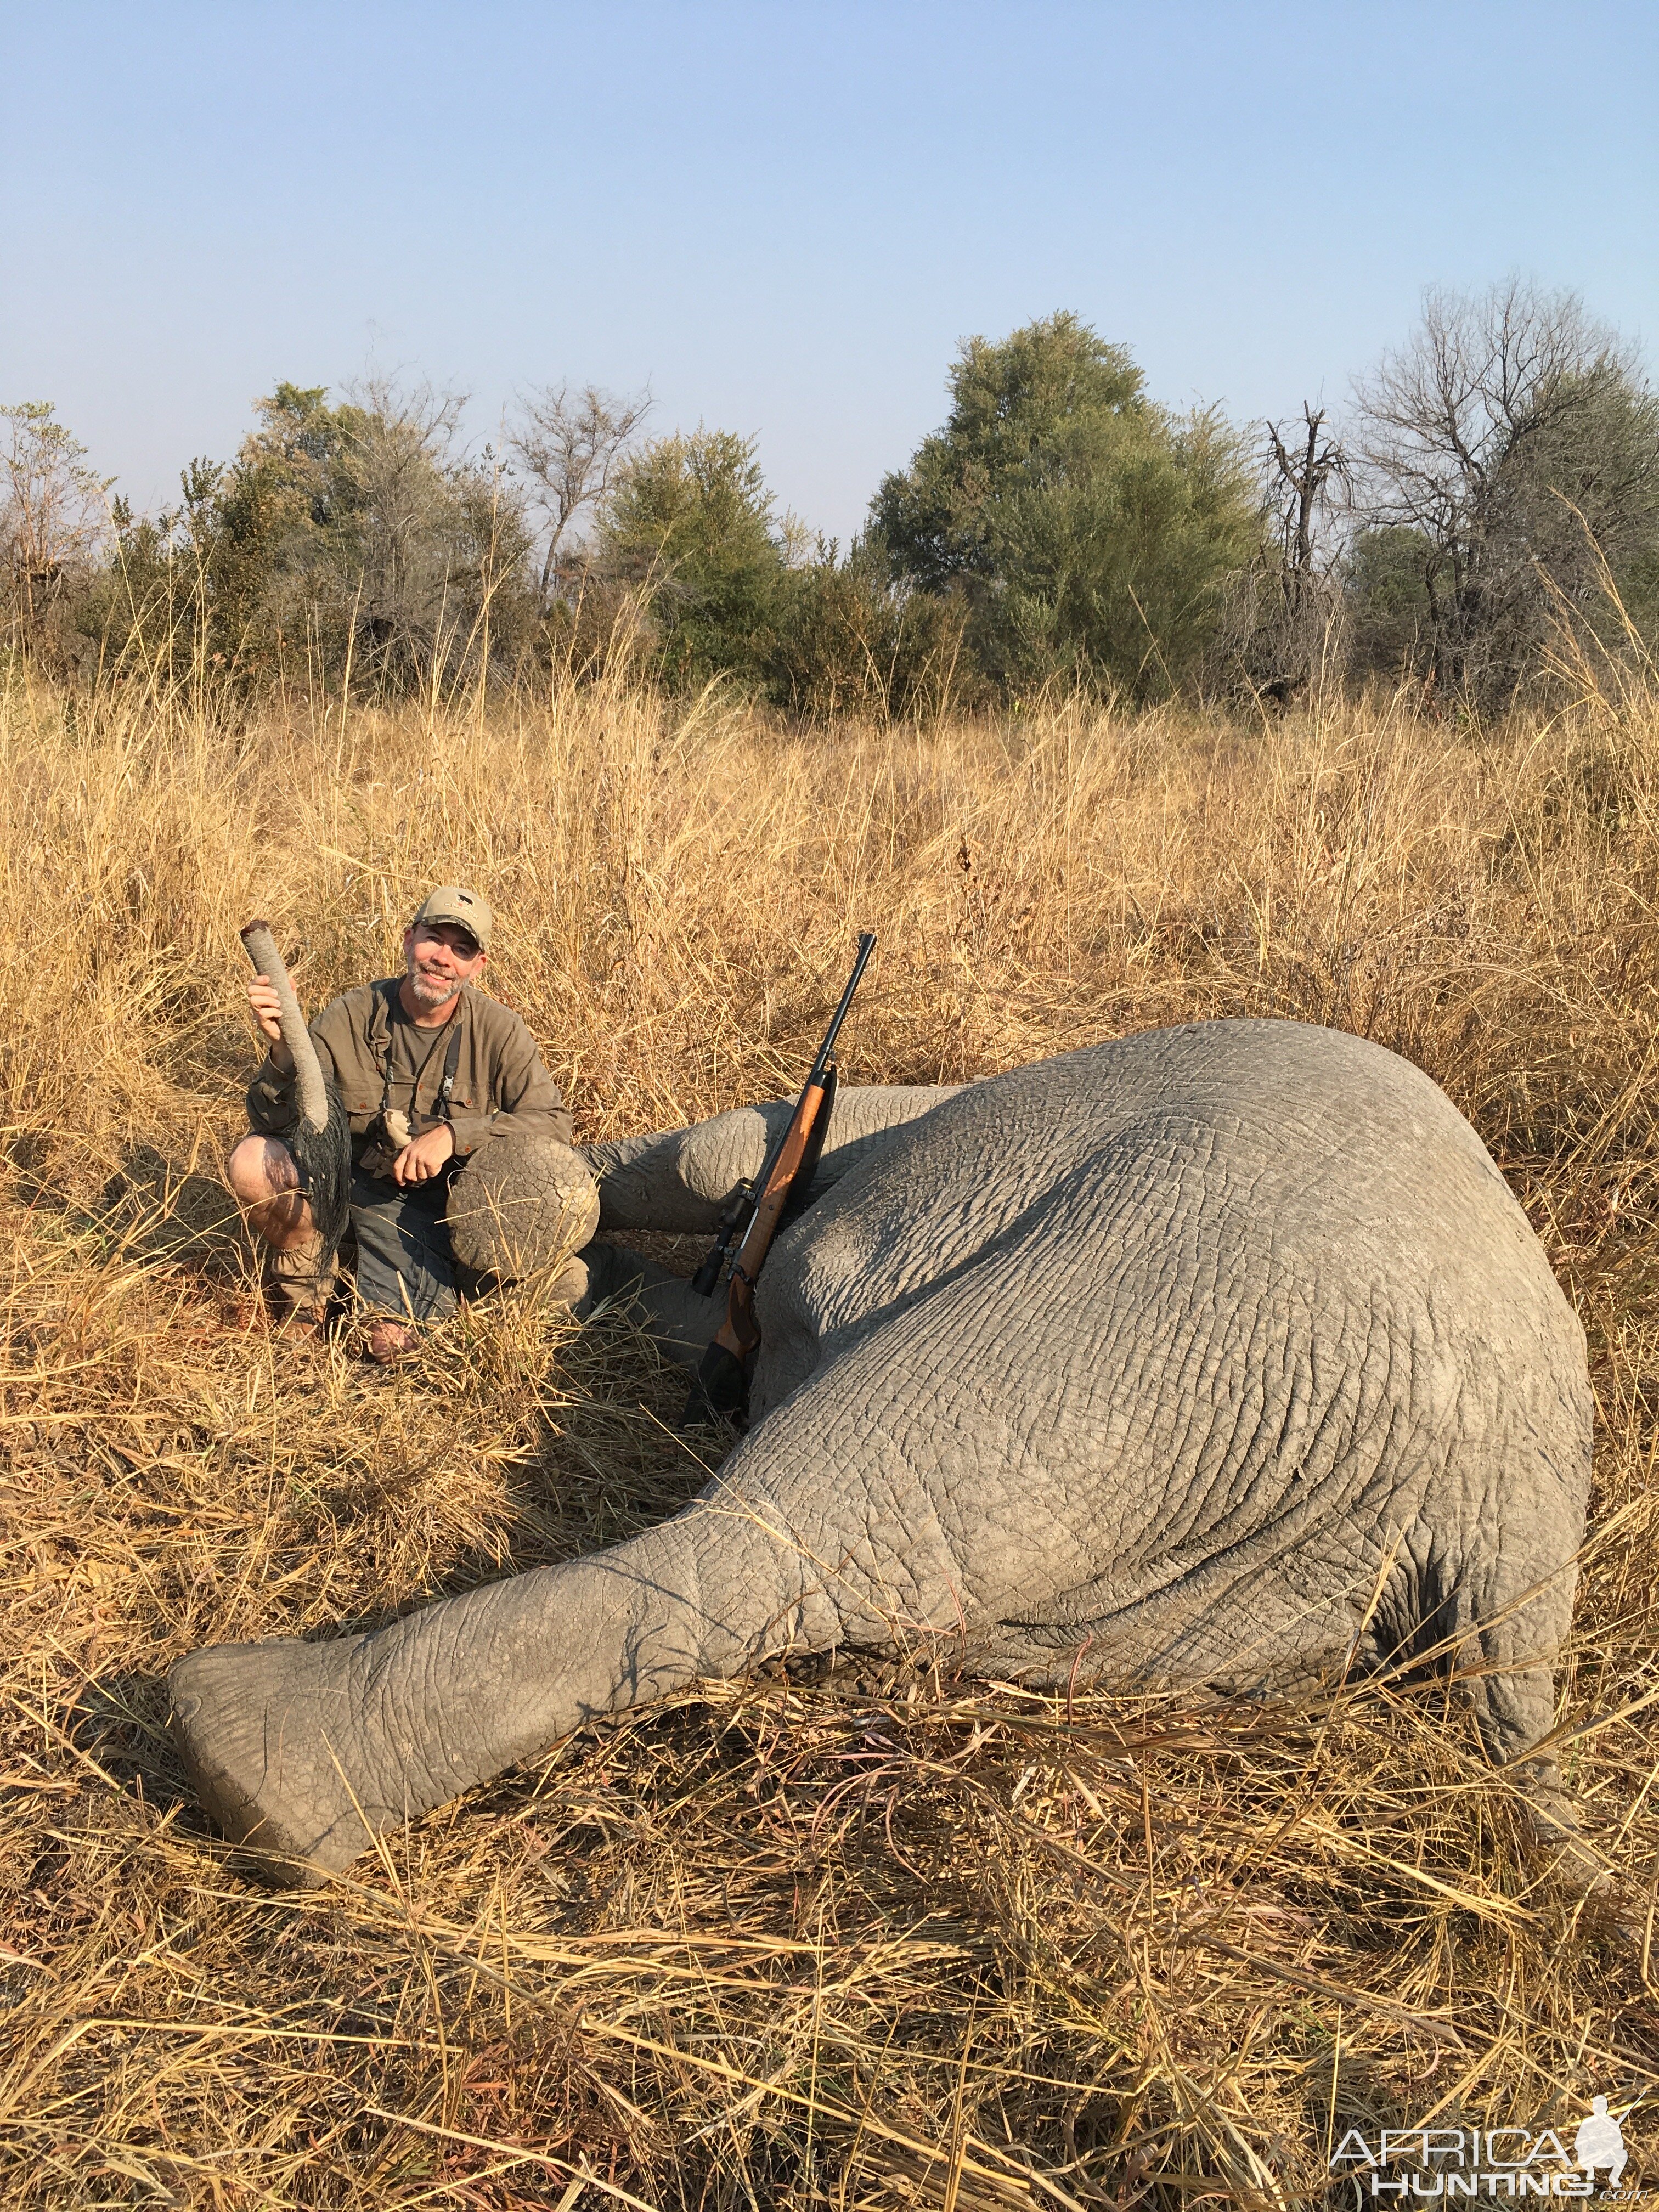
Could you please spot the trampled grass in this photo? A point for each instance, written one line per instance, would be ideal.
(858, 1939)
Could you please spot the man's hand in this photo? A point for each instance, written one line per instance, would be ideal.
(267, 1013)
(420, 1160)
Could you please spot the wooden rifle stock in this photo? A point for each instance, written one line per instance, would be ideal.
(721, 1381)
(738, 1333)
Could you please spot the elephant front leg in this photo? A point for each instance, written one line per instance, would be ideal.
(675, 1317)
(304, 1753)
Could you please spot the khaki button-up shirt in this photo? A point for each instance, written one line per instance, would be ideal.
(501, 1085)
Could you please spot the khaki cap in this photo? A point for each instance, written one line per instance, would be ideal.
(466, 910)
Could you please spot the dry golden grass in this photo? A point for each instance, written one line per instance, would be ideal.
(855, 1941)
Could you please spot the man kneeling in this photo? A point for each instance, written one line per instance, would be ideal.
(428, 1070)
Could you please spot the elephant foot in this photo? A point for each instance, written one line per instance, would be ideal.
(266, 1731)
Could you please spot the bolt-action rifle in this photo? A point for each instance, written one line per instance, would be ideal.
(755, 1214)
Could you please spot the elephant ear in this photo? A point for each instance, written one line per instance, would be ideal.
(521, 1206)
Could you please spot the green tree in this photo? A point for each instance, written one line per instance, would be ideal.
(689, 523)
(271, 528)
(1390, 617)
(341, 537)
(1090, 529)
(1566, 512)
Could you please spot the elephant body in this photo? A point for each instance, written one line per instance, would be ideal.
(1211, 1354)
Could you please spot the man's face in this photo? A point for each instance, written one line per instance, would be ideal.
(440, 956)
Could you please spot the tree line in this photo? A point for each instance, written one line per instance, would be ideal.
(1491, 487)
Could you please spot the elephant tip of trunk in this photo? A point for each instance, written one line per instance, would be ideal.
(251, 928)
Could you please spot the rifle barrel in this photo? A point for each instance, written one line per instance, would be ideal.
(866, 946)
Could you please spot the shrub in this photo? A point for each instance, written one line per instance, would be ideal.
(688, 525)
(1386, 590)
(849, 641)
(342, 538)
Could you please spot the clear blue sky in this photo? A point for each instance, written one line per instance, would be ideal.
(783, 217)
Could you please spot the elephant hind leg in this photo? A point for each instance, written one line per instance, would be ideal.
(1500, 1644)
(1513, 1684)
(1272, 1628)
(1244, 1628)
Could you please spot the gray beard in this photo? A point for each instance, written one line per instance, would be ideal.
(429, 991)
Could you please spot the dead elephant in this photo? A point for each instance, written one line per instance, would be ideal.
(1204, 1355)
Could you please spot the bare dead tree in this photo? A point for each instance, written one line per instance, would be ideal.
(1439, 414)
(1307, 482)
(1281, 610)
(1495, 399)
(567, 444)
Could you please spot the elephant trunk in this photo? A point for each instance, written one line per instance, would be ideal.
(304, 1751)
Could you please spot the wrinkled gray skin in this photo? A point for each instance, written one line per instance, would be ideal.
(1216, 1354)
(520, 1204)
